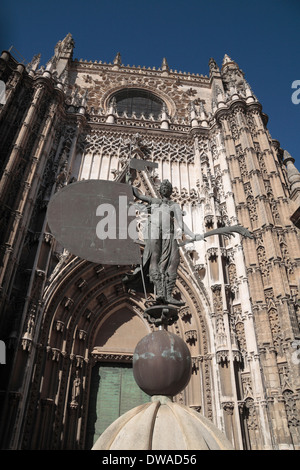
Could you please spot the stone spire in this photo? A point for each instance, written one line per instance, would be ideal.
(227, 60)
(63, 54)
(293, 174)
(112, 109)
(117, 59)
(213, 67)
(34, 63)
(164, 65)
(220, 98)
(64, 48)
(193, 114)
(165, 68)
(233, 78)
(165, 120)
(217, 86)
(202, 115)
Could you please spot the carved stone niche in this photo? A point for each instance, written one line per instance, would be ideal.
(212, 253)
(201, 270)
(82, 334)
(228, 407)
(26, 343)
(237, 356)
(78, 360)
(191, 336)
(195, 364)
(217, 298)
(222, 356)
(209, 221)
(59, 326)
(185, 314)
(48, 238)
(229, 292)
(101, 299)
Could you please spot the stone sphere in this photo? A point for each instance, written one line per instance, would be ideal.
(162, 364)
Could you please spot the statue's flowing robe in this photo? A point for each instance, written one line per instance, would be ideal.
(163, 227)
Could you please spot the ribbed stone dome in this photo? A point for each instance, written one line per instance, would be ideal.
(162, 425)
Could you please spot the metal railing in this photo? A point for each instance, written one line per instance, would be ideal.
(17, 55)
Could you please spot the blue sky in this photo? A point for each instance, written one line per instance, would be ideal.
(263, 37)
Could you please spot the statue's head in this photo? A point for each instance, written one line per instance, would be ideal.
(166, 188)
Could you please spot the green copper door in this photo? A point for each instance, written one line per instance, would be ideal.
(113, 391)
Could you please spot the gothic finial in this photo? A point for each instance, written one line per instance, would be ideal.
(84, 98)
(112, 109)
(226, 59)
(164, 65)
(164, 117)
(213, 67)
(33, 65)
(286, 155)
(117, 59)
(293, 174)
(65, 47)
(193, 114)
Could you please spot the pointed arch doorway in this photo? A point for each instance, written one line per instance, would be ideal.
(113, 390)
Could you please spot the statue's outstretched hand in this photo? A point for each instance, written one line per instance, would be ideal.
(199, 236)
(245, 232)
(230, 230)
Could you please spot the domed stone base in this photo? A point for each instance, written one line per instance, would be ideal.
(162, 425)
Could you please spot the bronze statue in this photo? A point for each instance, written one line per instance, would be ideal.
(164, 228)
(163, 237)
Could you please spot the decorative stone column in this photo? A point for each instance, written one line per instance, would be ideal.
(35, 160)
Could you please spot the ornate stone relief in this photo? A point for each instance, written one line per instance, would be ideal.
(156, 149)
(239, 328)
(104, 84)
(288, 262)
(274, 321)
(251, 416)
(233, 127)
(262, 260)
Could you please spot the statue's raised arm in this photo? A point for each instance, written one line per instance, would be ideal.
(228, 231)
(140, 196)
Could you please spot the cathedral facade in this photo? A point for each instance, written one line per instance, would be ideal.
(70, 326)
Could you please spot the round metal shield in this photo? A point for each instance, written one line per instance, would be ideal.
(92, 220)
